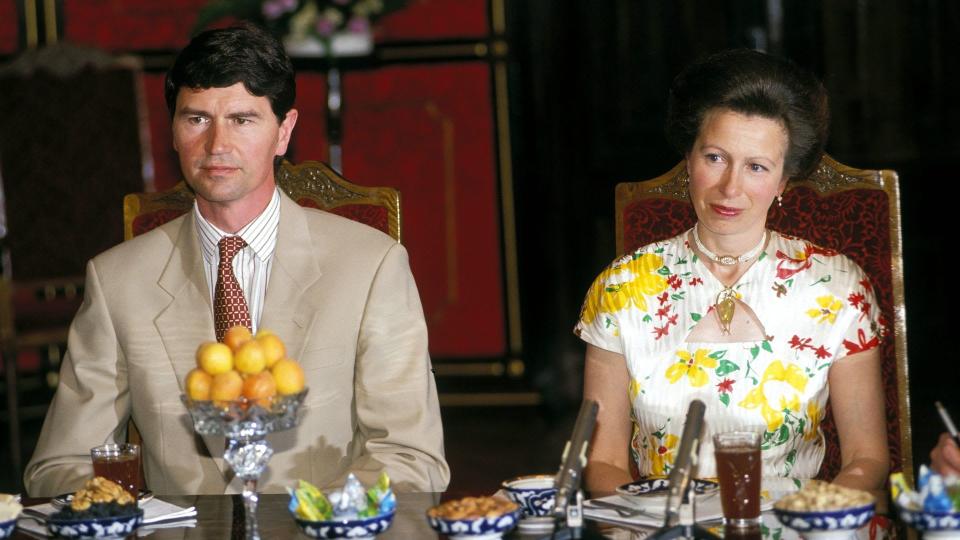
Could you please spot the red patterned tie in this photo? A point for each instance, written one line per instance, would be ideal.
(229, 307)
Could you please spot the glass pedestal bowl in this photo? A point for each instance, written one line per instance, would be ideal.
(245, 425)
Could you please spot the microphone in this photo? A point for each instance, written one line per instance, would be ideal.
(687, 457)
(574, 457)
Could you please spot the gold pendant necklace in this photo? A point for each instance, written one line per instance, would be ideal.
(725, 306)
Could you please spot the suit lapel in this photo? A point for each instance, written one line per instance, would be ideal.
(287, 309)
(188, 320)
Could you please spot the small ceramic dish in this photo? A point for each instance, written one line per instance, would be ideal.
(99, 528)
(535, 494)
(64, 500)
(648, 486)
(7, 527)
(482, 528)
(358, 529)
(828, 523)
(932, 524)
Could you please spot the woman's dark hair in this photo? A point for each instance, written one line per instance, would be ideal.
(755, 84)
(224, 57)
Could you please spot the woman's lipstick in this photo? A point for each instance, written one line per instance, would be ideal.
(726, 211)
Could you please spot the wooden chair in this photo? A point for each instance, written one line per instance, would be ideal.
(856, 212)
(311, 184)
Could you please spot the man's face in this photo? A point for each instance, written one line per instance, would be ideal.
(227, 139)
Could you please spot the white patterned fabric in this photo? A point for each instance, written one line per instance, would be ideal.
(815, 306)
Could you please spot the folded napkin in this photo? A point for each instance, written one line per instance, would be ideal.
(156, 514)
(707, 508)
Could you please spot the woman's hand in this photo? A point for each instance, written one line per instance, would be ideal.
(856, 397)
(605, 381)
(945, 457)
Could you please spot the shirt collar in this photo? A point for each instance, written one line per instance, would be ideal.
(260, 234)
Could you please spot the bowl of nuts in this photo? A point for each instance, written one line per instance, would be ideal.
(822, 510)
(9, 511)
(474, 518)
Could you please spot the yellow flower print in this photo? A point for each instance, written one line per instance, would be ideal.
(827, 312)
(628, 282)
(634, 389)
(784, 392)
(661, 453)
(692, 367)
(815, 415)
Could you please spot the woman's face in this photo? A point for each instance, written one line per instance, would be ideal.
(736, 171)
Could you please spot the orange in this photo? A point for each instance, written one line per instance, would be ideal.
(260, 387)
(198, 384)
(214, 358)
(227, 386)
(250, 358)
(272, 346)
(237, 336)
(288, 376)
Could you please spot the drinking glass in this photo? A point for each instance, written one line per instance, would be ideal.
(739, 470)
(119, 463)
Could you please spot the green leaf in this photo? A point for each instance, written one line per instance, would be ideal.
(726, 367)
(647, 318)
(783, 434)
(754, 351)
(792, 457)
(678, 296)
(659, 250)
(725, 399)
(766, 346)
(696, 317)
(664, 271)
(681, 260)
(798, 483)
(777, 533)
(718, 354)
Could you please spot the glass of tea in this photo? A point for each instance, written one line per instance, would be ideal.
(119, 463)
(739, 470)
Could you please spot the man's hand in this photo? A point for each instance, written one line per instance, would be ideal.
(945, 457)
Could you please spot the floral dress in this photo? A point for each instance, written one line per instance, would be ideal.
(815, 305)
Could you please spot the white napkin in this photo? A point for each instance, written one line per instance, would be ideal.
(156, 514)
(707, 508)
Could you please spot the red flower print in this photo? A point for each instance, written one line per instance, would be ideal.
(800, 344)
(663, 298)
(855, 299)
(865, 283)
(862, 345)
(675, 281)
(672, 320)
(725, 386)
(695, 281)
(664, 312)
(789, 266)
(822, 353)
(660, 331)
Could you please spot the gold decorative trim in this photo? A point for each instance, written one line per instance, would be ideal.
(50, 21)
(311, 180)
(469, 369)
(30, 23)
(420, 52)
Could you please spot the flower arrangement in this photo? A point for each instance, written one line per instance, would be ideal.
(298, 20)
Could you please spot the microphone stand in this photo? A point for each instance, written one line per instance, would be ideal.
(568, 503)
(679, 521)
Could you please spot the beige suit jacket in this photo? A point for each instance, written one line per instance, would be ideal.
(340, 295)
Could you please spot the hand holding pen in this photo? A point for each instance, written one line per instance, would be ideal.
(945, 457)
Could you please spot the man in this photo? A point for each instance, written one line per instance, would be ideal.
(340, 295)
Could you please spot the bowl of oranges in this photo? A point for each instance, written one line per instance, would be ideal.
(244, 386)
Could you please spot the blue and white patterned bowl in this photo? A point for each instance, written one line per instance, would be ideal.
(812, 522)
(100, 528)
(932, 524)
(647, 486)
(346, 528)
(486, 528)
(7, 527)
(535, 494)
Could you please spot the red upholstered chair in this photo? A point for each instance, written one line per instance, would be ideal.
(856, 212)
(311, 183)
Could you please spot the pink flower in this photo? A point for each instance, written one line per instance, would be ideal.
(358, 24)
(325, 26)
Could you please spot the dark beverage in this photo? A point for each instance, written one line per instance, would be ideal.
(120, 464)
(739, 470)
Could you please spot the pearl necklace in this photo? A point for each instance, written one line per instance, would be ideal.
(728, 260)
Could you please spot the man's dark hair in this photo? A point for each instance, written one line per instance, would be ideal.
(223, 57)
(754, 84)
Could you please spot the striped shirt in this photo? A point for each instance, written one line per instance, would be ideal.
(252, 264)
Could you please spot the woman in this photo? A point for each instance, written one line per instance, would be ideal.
(758, 325)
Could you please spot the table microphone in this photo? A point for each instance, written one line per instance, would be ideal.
(575, 457)
(686, 461)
